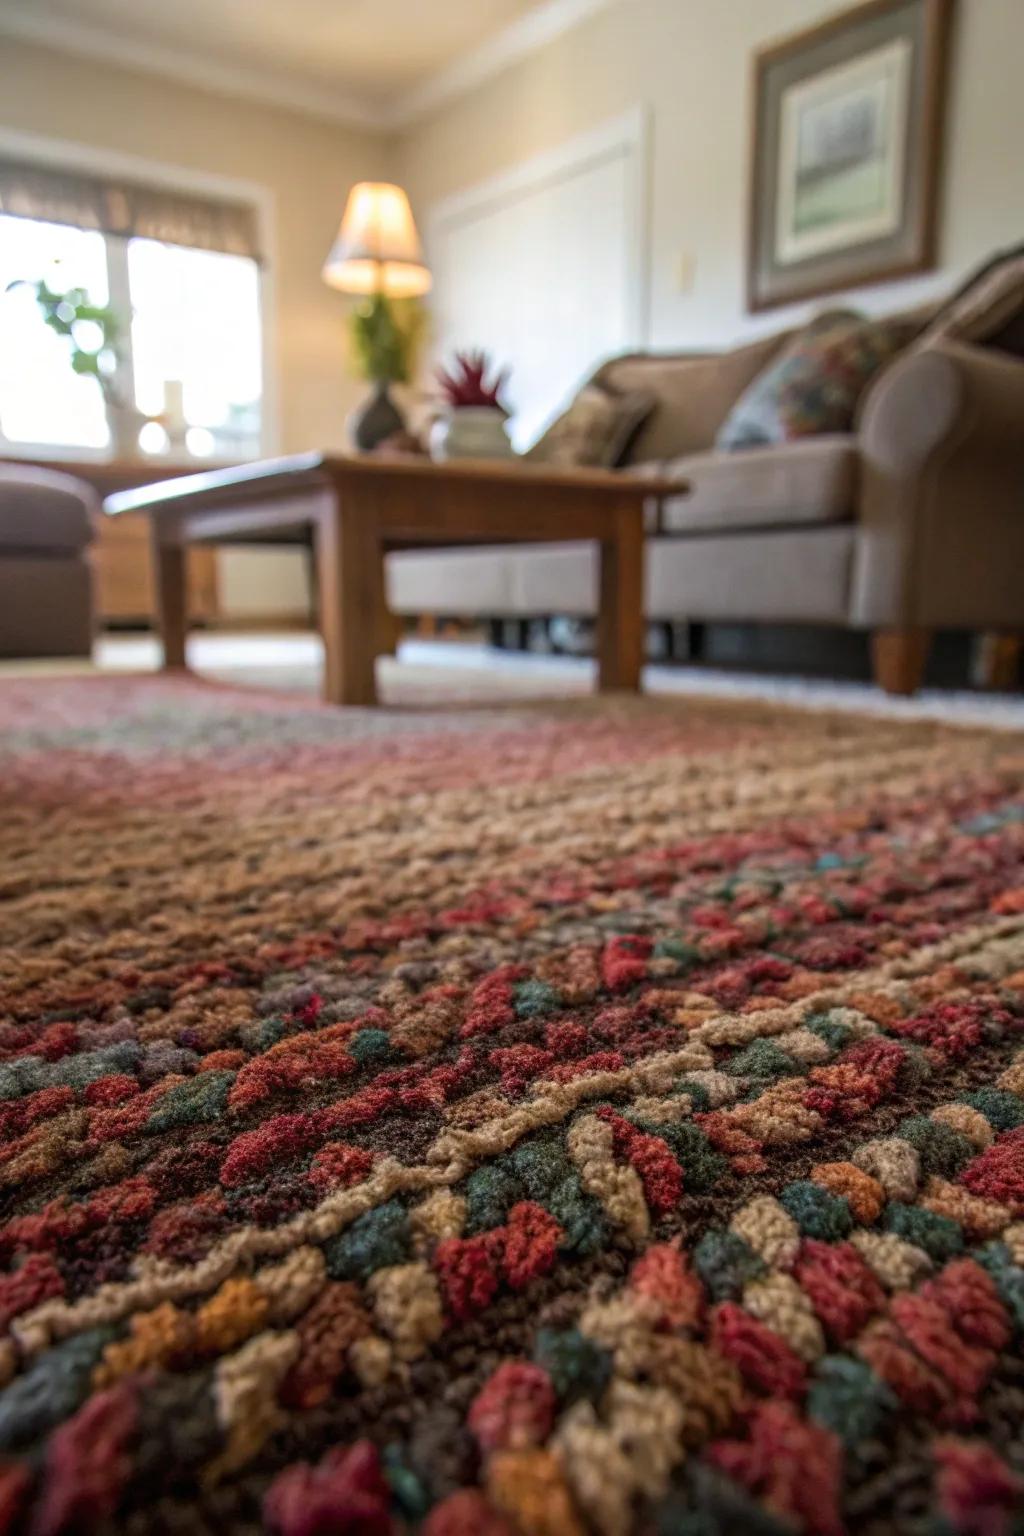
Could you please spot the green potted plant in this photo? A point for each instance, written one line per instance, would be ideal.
(385, 336)
(93, 333)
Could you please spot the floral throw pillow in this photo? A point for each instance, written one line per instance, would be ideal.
(813, 385)
(596, 430)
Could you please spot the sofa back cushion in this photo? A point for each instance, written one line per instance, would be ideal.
(988, 308)
(693, 393)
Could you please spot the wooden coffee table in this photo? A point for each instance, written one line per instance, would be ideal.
(353, 511)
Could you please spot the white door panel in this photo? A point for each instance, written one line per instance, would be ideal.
(543, 268)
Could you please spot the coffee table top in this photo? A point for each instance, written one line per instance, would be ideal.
(304, 471)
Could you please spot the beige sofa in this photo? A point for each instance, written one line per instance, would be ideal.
(913, 522)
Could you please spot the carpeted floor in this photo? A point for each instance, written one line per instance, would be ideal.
(597, 1117)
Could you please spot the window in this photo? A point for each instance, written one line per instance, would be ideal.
(196, 322)
(188, 378)
(42, 402)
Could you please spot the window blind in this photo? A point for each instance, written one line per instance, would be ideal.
(116, 206)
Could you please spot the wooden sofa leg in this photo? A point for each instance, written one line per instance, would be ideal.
(997, 661)
(898, 658)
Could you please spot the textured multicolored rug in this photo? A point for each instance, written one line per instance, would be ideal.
(599, 1118)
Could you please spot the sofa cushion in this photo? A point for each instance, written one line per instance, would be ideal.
(782, 486)
(796, 575)
(986, 308)
(799, 576)
(43, 510)
(455, 582)
(693, 394)
(595, 430)
(814, 383)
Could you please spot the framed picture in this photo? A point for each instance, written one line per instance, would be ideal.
(846, 151)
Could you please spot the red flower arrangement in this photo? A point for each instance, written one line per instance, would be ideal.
(465, 382)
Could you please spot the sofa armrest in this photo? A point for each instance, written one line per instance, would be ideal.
(941, 514)
(940, 398)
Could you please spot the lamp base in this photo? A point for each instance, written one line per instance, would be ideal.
(375, 420)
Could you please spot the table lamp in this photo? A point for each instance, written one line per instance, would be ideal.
(377, 255)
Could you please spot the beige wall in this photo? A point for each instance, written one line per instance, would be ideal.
(304, 165)
(688, 62)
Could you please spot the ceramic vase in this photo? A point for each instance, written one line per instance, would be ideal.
(470, 432)
(375, 420)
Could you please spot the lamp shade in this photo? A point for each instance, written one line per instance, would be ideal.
(377, 249)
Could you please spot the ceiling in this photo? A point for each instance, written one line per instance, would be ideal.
(362, 59)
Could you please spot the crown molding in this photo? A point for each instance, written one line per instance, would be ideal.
(283, 89)
(271, 87)
(514, 42)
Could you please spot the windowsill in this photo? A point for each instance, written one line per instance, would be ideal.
(37, 453)
(91, 457)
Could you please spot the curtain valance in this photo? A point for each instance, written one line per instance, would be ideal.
(118, 206)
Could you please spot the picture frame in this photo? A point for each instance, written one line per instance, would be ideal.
(846, 151)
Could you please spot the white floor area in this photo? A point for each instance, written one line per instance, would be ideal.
(294, 662)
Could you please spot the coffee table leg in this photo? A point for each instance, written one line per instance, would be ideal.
(620, 619)
(350, 584)
(170, 591)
